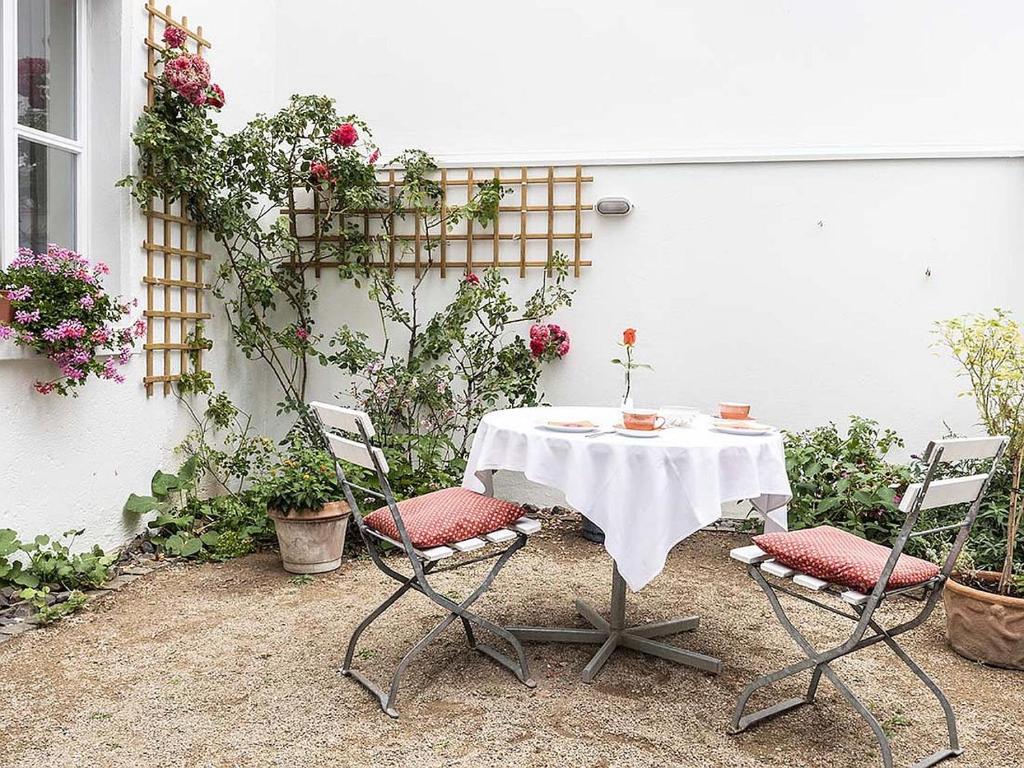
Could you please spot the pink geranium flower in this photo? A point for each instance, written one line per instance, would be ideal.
(344, 135)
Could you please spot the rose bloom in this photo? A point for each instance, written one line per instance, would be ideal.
(536, 347)
(319, 171)
(563, 348)
(215, 98)
(471, 278)
(175, 37)
(629, 337)
(301, 334)
(344, 135)
(374, 156)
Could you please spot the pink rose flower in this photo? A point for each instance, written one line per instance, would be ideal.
(536, 347)
(301, 334)
(472, 278)
(175, 37)
(374, 156)
(563, 348)
(344, 135)
(215, 97)
(319, 172)
(189, 76)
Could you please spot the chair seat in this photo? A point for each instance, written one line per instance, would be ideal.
(446, 516)
(842, 558)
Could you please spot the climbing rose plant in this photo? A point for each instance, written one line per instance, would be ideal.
(61, 311)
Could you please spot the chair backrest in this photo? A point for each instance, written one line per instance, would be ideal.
(335, 423)
(932, 493)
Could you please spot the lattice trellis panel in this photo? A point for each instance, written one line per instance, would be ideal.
(174, 251)
(542, 212)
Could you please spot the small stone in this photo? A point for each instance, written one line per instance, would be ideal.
(148, 548)
(118, 582)
(15, 629)
(94, 593)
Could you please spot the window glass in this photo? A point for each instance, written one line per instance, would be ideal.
(46, 65)
(46, 196)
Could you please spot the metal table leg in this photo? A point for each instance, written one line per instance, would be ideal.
(612, 634)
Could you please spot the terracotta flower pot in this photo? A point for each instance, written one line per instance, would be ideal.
(6, 310)
(983, 626)
(312, 541)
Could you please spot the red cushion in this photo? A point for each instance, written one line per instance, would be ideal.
(445, 516)
(840, 557)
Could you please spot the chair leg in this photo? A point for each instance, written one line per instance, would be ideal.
(412, 653)
(741, 722)
(880, 737)
(954, 742)
(346, 667)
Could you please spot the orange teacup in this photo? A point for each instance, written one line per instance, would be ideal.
(734, 410)
(643, 419)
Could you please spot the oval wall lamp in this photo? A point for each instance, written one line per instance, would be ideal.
(613, 206)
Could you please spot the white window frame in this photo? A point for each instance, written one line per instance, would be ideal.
(11, 131)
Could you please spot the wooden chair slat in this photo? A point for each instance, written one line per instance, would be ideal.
(345, 419)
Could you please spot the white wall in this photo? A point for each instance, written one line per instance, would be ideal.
(799, 286)
(657, 77)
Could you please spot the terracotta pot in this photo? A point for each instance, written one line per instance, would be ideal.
(6, 310)
(982, 626)
(312, 541)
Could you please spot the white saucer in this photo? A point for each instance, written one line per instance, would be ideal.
(638, 432)
(565, 428)
(761, 429)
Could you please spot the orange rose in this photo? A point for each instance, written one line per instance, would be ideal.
(629, 337)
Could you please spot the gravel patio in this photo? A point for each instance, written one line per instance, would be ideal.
(234, 664)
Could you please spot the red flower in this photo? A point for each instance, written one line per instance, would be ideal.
(374, 156)
(629, 337)
(471, 278)
(175, 37)
(344, 135)
(301, 334)
(215, 98)
(537, 347)
(319, 172)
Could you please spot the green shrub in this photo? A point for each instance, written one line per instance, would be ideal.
(846, 481)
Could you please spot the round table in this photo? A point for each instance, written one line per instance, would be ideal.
(646, 494)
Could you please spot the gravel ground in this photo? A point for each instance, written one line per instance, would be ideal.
(234, 665)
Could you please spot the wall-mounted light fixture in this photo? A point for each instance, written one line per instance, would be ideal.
(613, 206)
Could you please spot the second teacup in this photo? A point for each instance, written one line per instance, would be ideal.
(643, 419)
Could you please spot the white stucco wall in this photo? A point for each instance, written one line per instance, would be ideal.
(799, 286)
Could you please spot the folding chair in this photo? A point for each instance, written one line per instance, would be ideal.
(424, 561)
(862, 575)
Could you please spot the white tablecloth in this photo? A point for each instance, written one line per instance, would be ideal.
(646, 494)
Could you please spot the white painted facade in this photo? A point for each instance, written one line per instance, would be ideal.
(805, 287)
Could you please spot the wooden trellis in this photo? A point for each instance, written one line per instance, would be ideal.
(542, 212)
(174, 251)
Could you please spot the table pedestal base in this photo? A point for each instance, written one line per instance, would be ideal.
(614, 634)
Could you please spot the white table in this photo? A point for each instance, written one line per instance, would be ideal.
(646, 494)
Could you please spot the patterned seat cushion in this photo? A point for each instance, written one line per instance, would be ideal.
(842, 558)
(446, 516)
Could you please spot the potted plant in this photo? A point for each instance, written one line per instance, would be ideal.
(304, 499)
(985, 602)
(54, 303)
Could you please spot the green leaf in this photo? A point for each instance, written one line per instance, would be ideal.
(210, 538)
(140, 505)
(190, 547)
(163, 483)
(187, 473)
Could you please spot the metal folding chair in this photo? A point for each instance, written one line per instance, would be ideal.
(335, 422)
(860, 608)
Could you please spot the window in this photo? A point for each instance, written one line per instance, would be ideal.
(42, 162)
